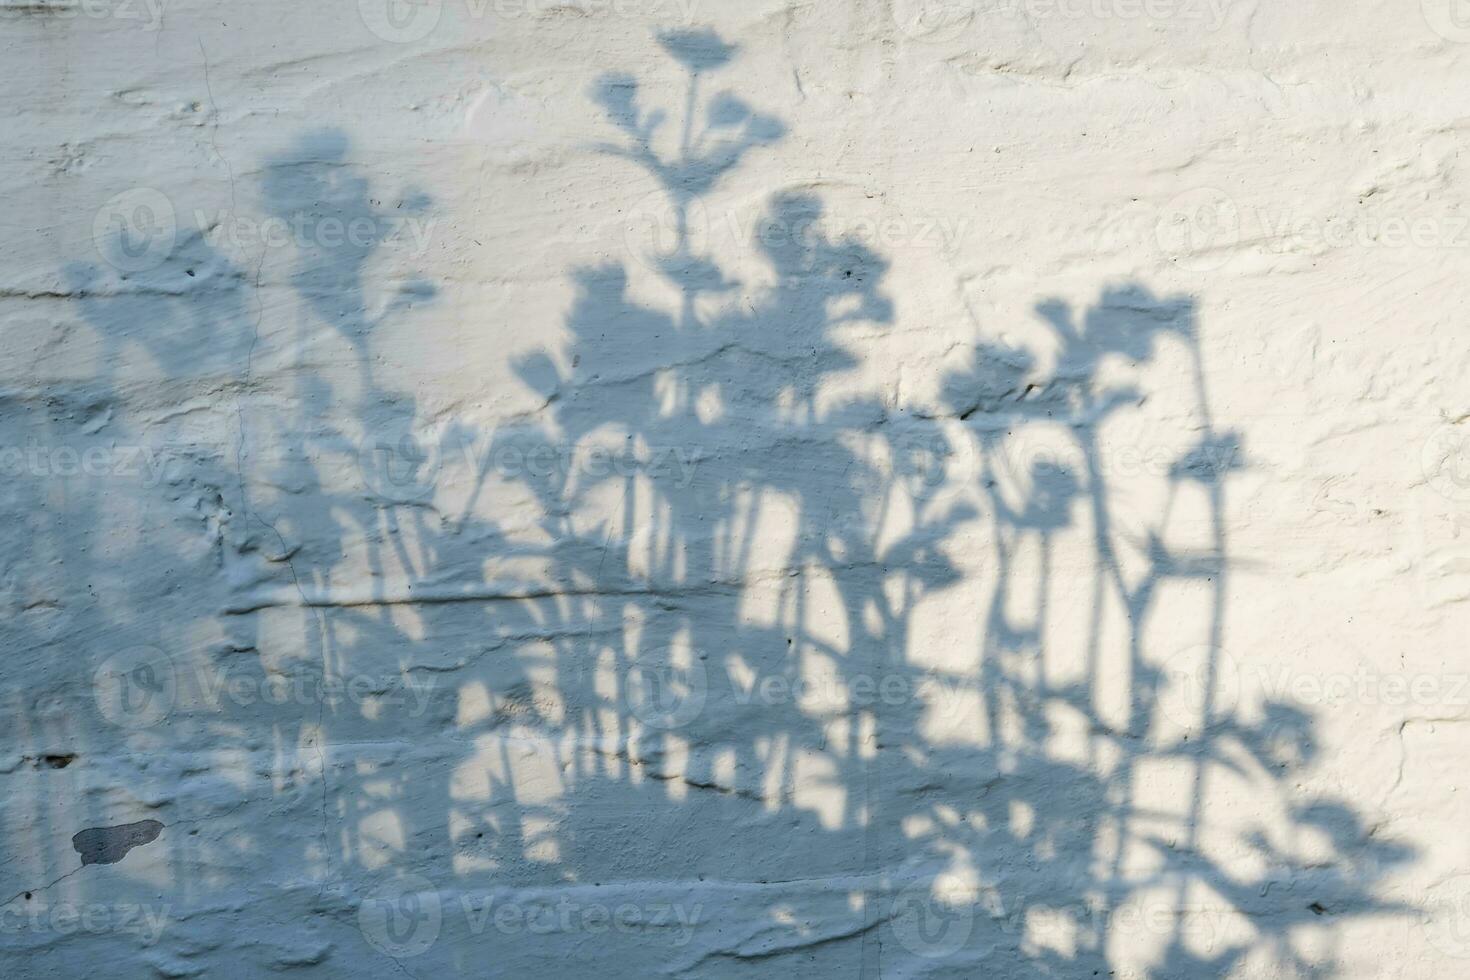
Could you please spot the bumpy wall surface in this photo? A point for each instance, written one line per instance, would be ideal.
(626, 488)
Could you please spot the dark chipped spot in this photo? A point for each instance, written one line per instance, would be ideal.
(1318, 908)
(109, 845)
(59, 760)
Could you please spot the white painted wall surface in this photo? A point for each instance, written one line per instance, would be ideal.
(879, 488)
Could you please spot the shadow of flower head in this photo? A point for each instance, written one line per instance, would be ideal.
(728, 110)
(602, 283)
(997, 374)
(698, 50)
(312, 178)
(696, 274)
(617, 93)
(1128, 320)
(1211, 459)
(793, 238)
(1054, 489)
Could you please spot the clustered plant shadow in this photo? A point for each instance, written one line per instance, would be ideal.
(574, 663)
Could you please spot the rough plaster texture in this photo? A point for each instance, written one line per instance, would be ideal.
(659, 487)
